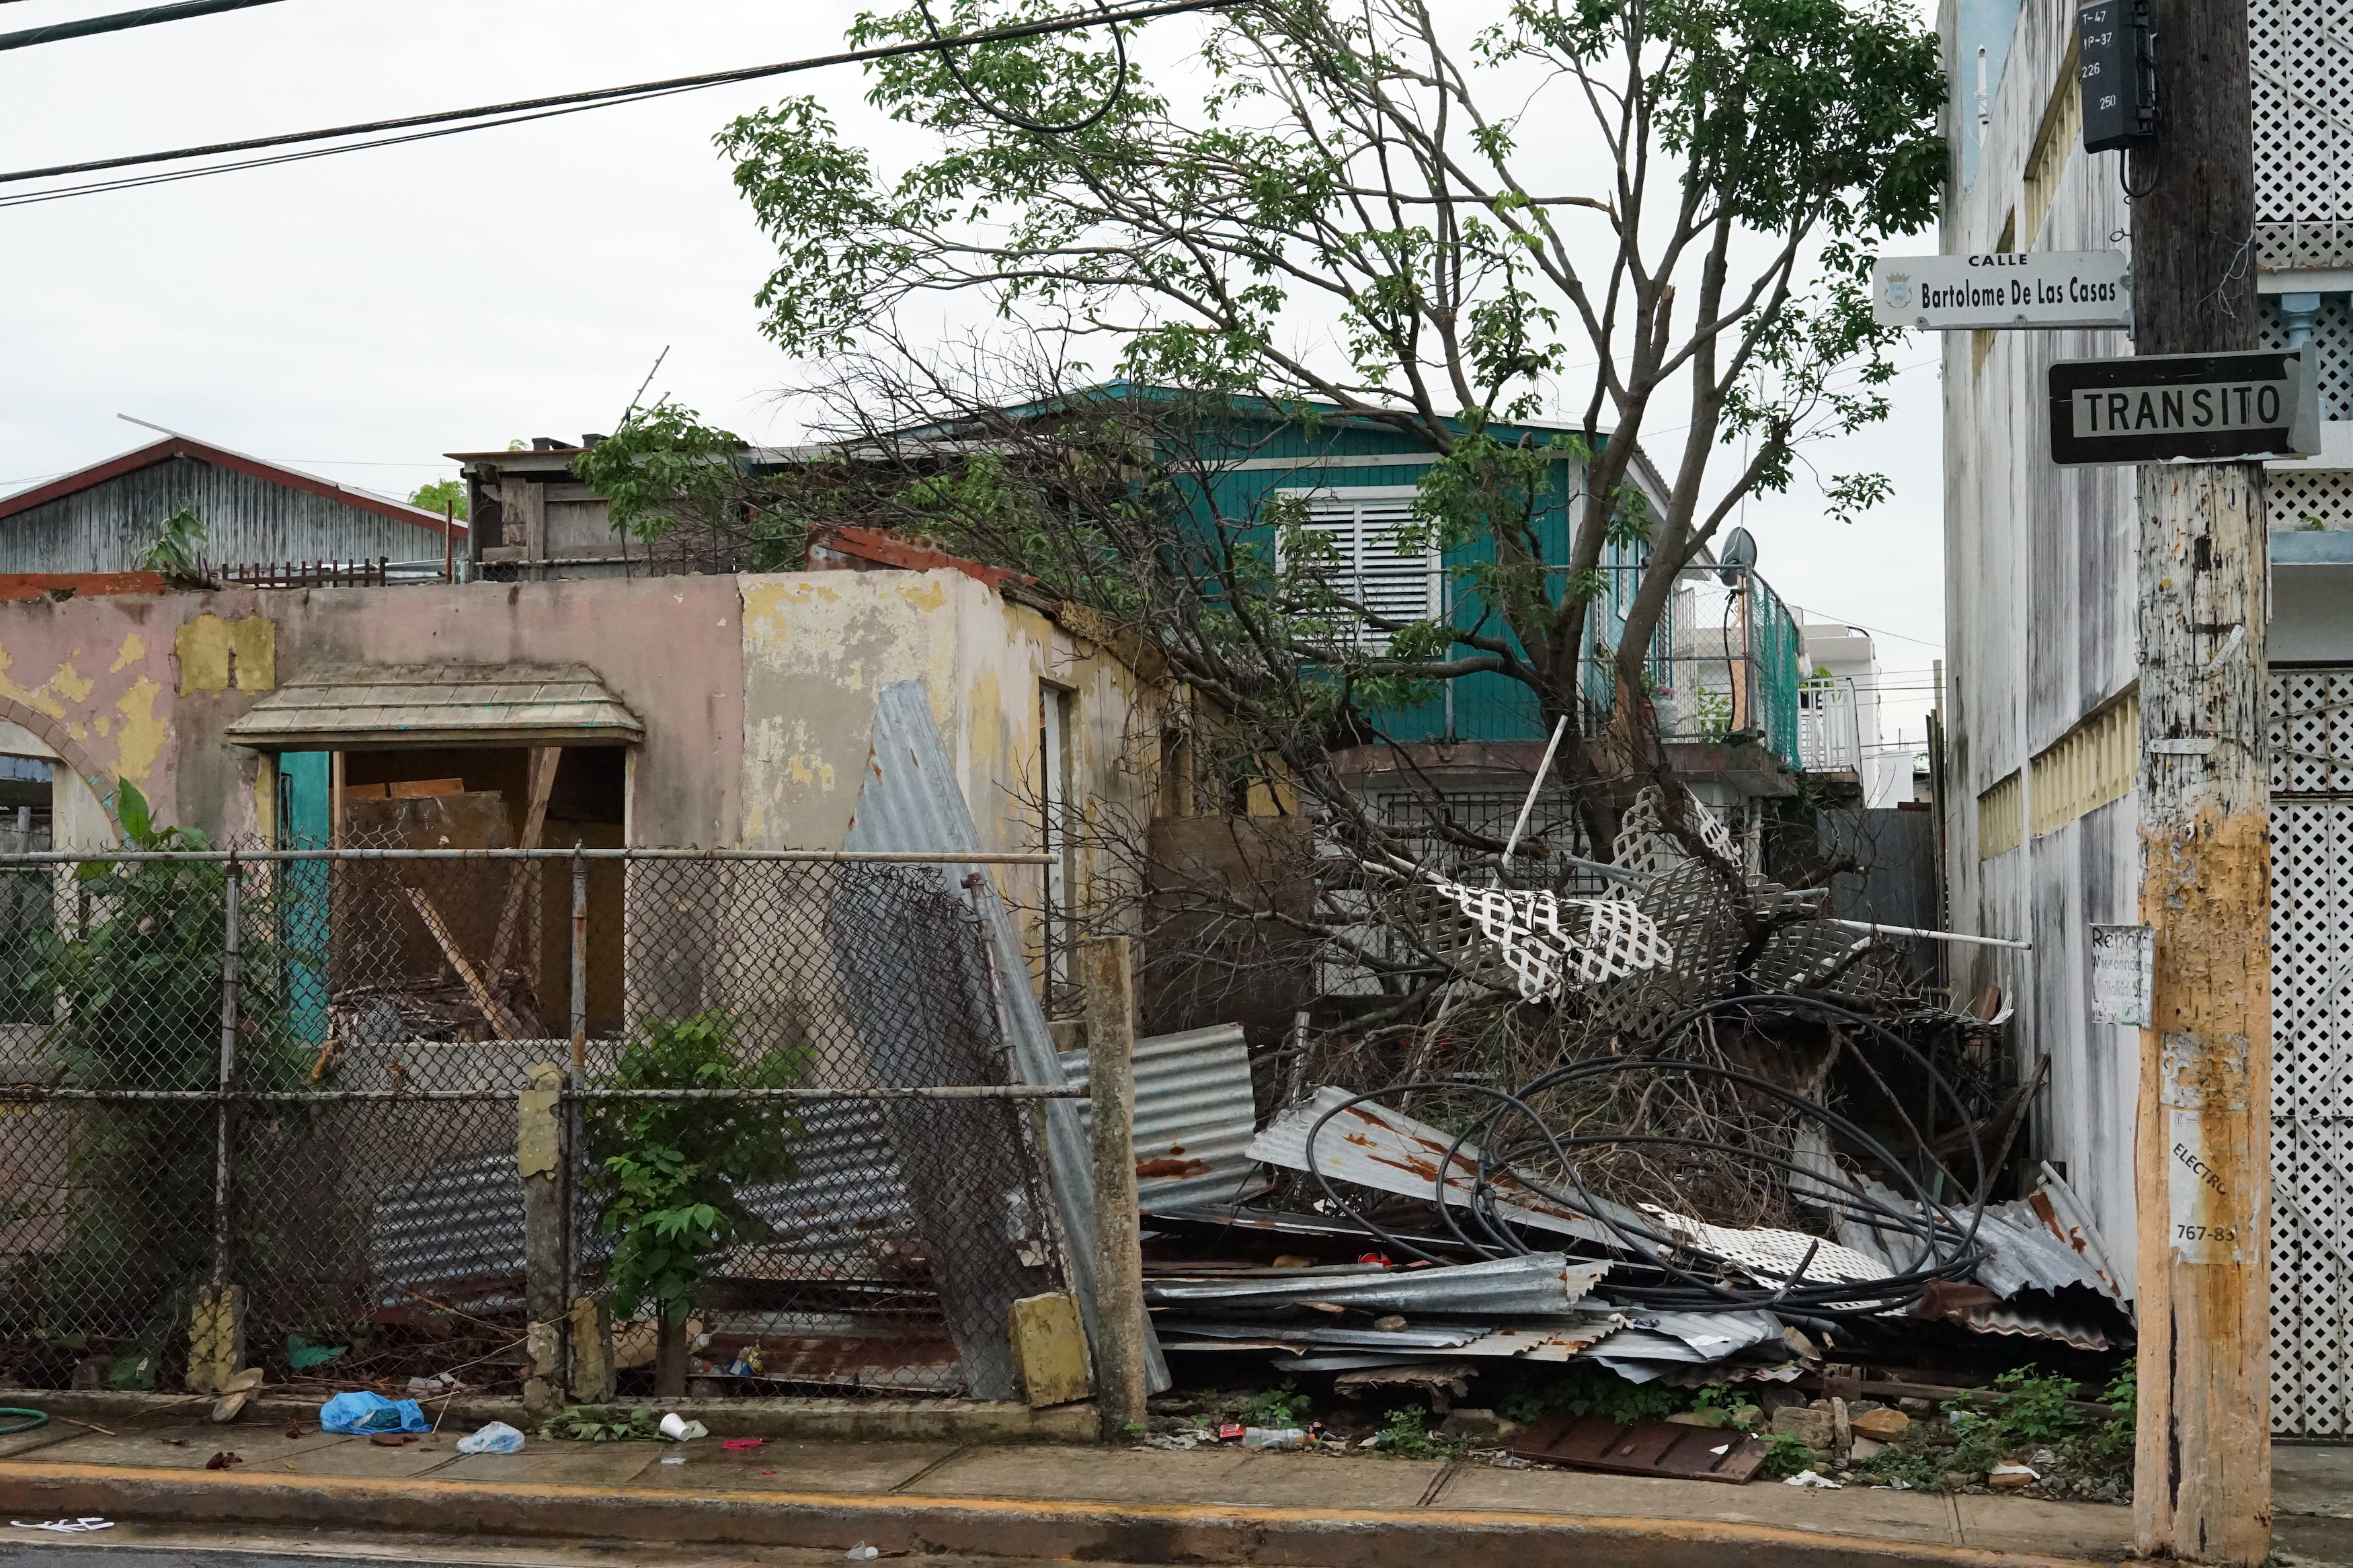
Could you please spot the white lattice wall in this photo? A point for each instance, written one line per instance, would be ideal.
(2293, 500)
(2332, 334)
(2301, 51)
(2312, 1028)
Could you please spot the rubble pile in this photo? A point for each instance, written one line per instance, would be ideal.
(1762, 1152)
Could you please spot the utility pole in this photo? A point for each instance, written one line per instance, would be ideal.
(2202, 1160)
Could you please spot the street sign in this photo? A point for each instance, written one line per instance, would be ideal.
(2003, 292)
(2206, 408)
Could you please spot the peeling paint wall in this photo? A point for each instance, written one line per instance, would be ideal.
(819, 647)
(757, 693)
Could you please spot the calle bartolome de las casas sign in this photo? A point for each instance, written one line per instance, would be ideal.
(2003, 292)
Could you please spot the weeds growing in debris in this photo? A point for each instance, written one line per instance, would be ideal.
(1589, 1391)
(1406, 1435)
(1284, 1406)
(1786, 1454)
(2023, 1415)
(597, 1423)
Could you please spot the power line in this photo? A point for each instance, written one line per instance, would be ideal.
(522, 109)
(147, 16)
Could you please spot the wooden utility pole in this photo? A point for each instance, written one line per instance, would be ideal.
(1121, 1374)
(2202, 1162)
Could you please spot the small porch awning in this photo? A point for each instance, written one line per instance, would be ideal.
(363, 706)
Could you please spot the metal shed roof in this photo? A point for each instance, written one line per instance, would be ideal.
(428, 704)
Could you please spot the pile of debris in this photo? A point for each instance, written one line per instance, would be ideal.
(1759, 1147)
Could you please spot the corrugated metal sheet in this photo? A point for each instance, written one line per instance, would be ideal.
(2035, 1316)
(463, 1221)
(1374, 1146)
(1260, 1333)
(911, 802)
(2024, 1254)
(1193, 1118)
(1545, 1282)
(108, 526)
(1559, 1340)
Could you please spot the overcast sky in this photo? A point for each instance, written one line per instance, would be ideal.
(358, 316)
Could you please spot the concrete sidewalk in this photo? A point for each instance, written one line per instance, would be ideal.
(1219, 1506)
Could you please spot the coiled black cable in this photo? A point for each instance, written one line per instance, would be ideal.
(1694, 1278)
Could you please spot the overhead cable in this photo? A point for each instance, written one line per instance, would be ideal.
(145, 16)
(455, 120)
(1014, 118)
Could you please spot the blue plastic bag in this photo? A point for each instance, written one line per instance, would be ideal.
(361, 1414)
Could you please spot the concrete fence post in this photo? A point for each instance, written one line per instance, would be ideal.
(1120, 1361)
(539, 1158)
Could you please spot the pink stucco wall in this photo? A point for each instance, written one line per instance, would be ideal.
(99, 679)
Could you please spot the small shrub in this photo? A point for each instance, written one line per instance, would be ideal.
(1406, 1435)
(1594, 1390)
(1786, 1454)
(1278, 1408)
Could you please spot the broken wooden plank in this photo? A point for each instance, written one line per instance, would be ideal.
(503, 1023)
(543, 761)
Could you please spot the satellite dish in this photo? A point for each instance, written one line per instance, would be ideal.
(1738, 554)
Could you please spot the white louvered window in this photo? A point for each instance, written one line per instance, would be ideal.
(1365, 565)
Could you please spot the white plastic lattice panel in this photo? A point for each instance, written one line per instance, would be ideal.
(2312, 1073)
(2295, 501)
(2312, 731)
(2332, 338)
(1551, 945)
(2300, 52)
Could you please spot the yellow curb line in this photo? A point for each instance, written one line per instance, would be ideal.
(22, 1484)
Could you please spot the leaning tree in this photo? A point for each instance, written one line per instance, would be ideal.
(1660, 212)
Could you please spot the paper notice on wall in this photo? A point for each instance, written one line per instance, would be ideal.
(2204, 1095)
(2124, 966)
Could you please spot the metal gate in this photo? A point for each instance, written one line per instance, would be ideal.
(2312, 1028)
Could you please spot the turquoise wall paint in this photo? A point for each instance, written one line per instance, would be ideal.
(1486, 707)
(305, 821)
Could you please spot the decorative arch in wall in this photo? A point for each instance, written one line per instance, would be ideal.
(52, 733)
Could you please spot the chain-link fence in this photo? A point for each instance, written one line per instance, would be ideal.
(300, 1089)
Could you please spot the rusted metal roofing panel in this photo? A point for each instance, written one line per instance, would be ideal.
(1540, 1282)
(911, 802)
(1374, 1146)
(1194, 1117)
(362, 705)
(1537, 1339)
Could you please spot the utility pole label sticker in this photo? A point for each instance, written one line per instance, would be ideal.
(2204, 1222)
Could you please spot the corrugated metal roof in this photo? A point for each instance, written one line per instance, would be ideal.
(911, 802)
(2024, 1254)
(104, 518)
(2036, 1316)
(419, 704)
(1193, 1118)
(1260, 1332)
(1544, 1282)
(1374, 1146)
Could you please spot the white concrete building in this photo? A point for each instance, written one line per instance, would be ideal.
(2041, 815)
(1840, 713)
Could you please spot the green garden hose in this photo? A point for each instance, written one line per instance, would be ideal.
(37, 1419)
